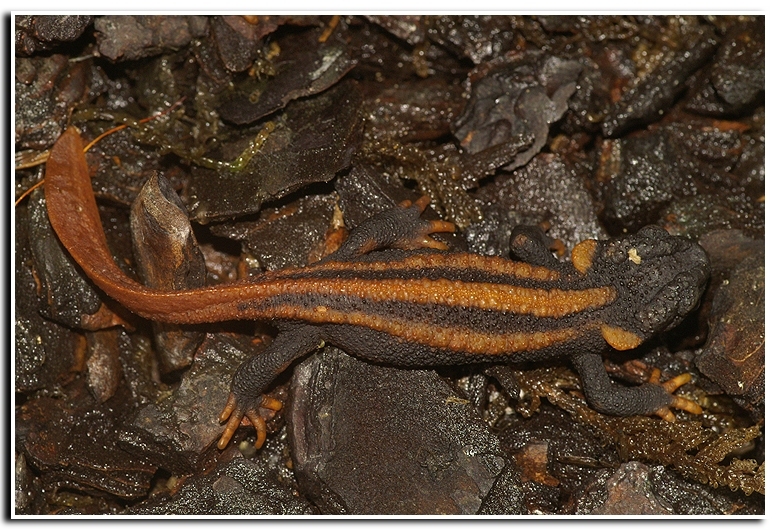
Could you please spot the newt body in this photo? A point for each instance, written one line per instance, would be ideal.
(391, 294)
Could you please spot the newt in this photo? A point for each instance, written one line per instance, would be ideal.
(394, 294)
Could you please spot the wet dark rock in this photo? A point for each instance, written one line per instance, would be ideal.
(591, 99)
(399, 122)
(735, 81)
(444, 173)
(410, 28)
(477, 38)
(304, 67)
(211, 66)
(627, 492)
(722, 158)
(510, 496)
(131, 37)
(548, 190)
(167, 258)
(643, 173)
(733, 357)
(236, 487)
(75, 446)
(555, 455)
(237, 41)
(28, 492)
(47, 90)
(44, 351)
(698, 215)
(593, 28)
(382, 55)
(66, 296)
(284, 237)
(60, 28)
(642, 490)
(423, 110)
(650, 97)
(35, 33)
(103, 367)
(140, 370)
(175, 431)
(269, 23)
(689, 498)
(315, 138)
(751, 169)
(719, 145)
(727, 249)
(159, 83)
(121, 165)
(513, 97)
(368, 440)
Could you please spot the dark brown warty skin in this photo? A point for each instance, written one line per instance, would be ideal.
(393, 294)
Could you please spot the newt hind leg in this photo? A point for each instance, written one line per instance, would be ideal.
(247, 400)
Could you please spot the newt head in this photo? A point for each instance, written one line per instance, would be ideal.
(659, 278)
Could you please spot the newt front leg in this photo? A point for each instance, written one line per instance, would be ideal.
(651, 398)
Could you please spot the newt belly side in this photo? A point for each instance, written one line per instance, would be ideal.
(392, 294)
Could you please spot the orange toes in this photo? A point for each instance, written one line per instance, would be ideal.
(427, 242)
(440, 226)
(666, 414)
(678, 402)
(422, 239)
(422, 203)
(259, 424)
(673, 384)
(685, 404)
(264, 409)
(271, 404)
(230, 406)
(230, 429)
